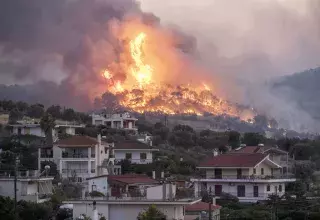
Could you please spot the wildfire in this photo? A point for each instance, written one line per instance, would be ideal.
(142, 91)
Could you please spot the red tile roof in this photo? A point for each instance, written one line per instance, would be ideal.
(133, 179)
(131, 145)
(234, 160)
(77, 141)
(201, 206)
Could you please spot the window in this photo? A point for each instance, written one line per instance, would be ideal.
(280, 188)
(254, 171)
(79, 180)
(143, 156)
(262, 171)
(268, 188)
(241, 191)
(128, 156)
(94, 187)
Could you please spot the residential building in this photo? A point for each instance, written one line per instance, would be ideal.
(277, 155)
(80, 157)
(129, 207)
(121, 185)
(30, 186)
(200, 211)
(35, 129)
(117, 121)
(249, 176)
(135, 151)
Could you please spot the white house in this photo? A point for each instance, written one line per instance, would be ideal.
(135, 151)
(249, 176)
(121, 185)
(35, 129)
(30, 187)
(80, 157)
(118, 121)
(114, 208)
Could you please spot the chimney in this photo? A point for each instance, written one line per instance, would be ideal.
(153, 174)
(162, 175)
(215, 152)
(260, 145)
(99, 139)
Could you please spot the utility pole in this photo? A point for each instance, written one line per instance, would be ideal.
(210, 204)
(15, 187)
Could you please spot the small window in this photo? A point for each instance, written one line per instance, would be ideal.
(254, 171)
(94, 187)
(268, 188)
(128, 156)
(262, 171)
(143, 156)
(280, 188)
(79, 180)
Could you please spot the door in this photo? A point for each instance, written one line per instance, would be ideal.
(239, 173)
(241, 191)
(217, 190)
(218, 173)
(255, 191)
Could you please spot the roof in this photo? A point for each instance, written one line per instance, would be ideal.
(201, 206)
(257, 149)
(234, 160)
(132, 145)
(77, 141)
(133, 179)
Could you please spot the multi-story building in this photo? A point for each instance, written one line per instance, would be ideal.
(249, 176)
(81, 157)
(30, 186)
(277, 155)
(35, 129)
(135, 151)
(117, 121)
(128, 206)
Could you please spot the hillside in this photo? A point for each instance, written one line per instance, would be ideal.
(304, 89)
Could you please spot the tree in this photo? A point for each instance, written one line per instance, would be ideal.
(47, 123)
(14, 116)
(35, 111)
(234, 139)
(253, 139)
(161, 130)
(55, 111)
(152, 213)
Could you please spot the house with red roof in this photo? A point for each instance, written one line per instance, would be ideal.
(200, 211)
(249, 176)
(135, 151)
(81, 157)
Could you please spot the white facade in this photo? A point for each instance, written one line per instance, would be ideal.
(99, 184)
(138, 156)
(249, 184)
(118, 121)
(77, 162)
(129, 210)
(30, 189)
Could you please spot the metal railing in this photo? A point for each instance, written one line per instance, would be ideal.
(71, 155)
(75, 171)
(251, 177)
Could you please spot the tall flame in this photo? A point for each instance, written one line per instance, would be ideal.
(141, 71)
(147, 94)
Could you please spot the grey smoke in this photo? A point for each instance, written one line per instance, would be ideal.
(248, 43)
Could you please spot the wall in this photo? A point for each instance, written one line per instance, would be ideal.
(121, 155)
(31, 130)
(157, 192)
(101, 184)
(266, 168)
(32, 188)
(227, 172)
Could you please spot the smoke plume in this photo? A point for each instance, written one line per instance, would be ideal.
(51, 46)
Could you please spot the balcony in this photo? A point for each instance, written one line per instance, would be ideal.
(250, 178)
(73, 171)
(72, 155)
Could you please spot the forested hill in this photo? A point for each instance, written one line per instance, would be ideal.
(303, 88)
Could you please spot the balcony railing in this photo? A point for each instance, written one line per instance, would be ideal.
(71, 155)
(46, 155)
(72, 171)
(250, 177)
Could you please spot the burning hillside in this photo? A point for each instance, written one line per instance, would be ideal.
(152, 75)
